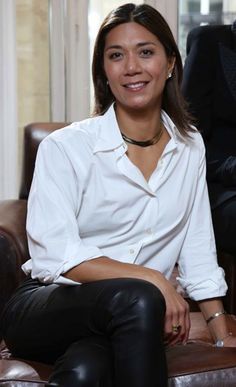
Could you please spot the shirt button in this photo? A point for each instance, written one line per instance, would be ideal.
(131, 251)
(149, 231)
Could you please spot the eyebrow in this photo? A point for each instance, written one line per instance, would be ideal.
(141, 44)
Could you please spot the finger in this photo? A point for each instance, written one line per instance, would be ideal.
(173, 331)
(180, 331)
(184, 322)
(171, 327)
(187, 326)
(176, 334)
(177, 322)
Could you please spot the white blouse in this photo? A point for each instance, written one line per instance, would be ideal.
(89, 200)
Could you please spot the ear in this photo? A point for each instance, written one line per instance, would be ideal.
(171, 65)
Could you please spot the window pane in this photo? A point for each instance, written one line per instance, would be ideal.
(193, 13)
(32, 47)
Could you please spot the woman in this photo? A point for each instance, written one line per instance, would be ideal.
(115, 202)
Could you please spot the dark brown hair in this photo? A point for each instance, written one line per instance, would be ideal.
(145, 15)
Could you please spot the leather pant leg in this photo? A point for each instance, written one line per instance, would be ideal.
(86, 363)
(136, 332)
(44, 322)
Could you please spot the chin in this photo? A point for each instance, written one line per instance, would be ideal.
(142, 106)
(137, 104)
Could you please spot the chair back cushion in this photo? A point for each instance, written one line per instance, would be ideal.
(33, 134)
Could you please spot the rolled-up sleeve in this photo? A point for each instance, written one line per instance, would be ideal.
(52, 228)
(200, 275)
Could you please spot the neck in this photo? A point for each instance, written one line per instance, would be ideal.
(140, 126)
(146, 143)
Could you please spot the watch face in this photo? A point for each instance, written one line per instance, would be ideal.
(219, 343)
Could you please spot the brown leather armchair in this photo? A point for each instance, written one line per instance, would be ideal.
(198, 363)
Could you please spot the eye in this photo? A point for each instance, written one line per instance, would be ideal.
(115, 55)
(145, 53)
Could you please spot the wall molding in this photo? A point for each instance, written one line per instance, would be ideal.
(77, 61)
(57, 60)
(69, 58)
(9, 184)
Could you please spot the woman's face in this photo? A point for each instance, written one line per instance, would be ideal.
(136, 66)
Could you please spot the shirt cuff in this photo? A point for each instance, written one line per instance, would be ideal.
(205, 288)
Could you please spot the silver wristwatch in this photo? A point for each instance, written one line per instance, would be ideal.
(219, 343)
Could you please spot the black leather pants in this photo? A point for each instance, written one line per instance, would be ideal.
(106, 333)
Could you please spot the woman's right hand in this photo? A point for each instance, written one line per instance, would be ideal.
(177, 314)
(177, 310)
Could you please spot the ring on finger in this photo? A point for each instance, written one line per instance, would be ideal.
(176, 328)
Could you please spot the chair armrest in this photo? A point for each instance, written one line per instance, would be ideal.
(13, 226)
(13, 246)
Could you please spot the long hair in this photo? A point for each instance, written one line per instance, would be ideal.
(145, 15)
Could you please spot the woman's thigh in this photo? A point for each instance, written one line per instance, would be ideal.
(45, 319)
(41, 321)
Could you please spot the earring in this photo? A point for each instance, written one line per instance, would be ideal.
(107, 83)
(169, 75)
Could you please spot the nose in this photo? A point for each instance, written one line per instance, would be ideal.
(132, 65)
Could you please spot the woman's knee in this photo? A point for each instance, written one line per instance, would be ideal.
(137, 298)
(139, 291)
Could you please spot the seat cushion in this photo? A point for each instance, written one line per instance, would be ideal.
(195, 364)
(199, 365)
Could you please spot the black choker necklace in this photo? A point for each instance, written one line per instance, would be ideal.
(153, 140)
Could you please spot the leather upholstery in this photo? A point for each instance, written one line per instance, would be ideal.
(13, 247)
(196, 364)
(33, 134)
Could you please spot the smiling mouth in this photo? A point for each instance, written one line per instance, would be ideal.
(135, 86)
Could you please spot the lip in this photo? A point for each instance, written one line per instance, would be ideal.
(135, 86)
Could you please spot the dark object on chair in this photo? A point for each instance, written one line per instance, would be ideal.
(209, 85)
(233, 27)
(197, 363)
